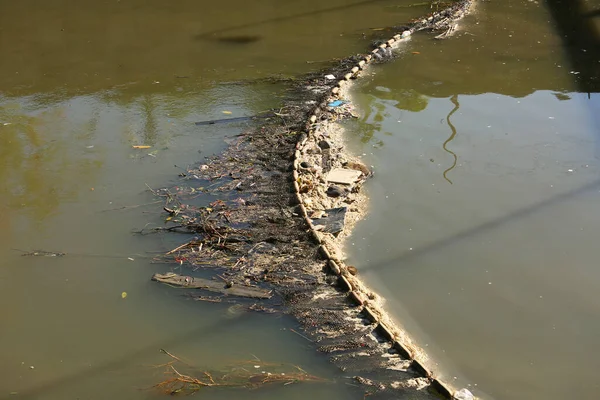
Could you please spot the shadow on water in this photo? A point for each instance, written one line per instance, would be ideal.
(582, 43)
(485, 227)
(244, 39)
(581, 38)
(196, 335)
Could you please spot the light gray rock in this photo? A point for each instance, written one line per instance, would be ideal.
(463, 394)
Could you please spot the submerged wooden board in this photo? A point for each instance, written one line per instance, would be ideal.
(190, 282)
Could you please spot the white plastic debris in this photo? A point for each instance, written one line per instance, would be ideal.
(405, 34)
(343, 176)
(329, 76)
(463, 394)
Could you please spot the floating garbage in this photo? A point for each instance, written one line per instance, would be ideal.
(332, 220)
(330, 77)
(236, 119)
(336, 103)
(463, 394)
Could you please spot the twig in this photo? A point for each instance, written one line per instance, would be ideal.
(175, 357)
(301, 335)
(179, 247)
(152, 190)
(130, 207)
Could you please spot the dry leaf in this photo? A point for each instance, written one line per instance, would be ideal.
(141, 147)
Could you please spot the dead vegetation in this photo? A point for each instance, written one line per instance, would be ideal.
(184, 378)
(252, 235)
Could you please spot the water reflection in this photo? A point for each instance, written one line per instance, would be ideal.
(454, 100)
(580, 34)
(36, 168)
(477, 269)
(64, 159)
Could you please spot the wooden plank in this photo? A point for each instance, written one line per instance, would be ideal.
(190, 282)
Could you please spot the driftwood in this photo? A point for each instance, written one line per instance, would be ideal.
(190, 282)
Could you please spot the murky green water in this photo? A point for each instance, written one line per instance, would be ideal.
(83, 82)
(485, 207)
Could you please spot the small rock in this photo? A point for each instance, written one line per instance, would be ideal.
(334, 191)
(358, 166)
(352, 270)
(317, 214)
(463, 394)
(324, 145)
(311, 149)
(305, 164)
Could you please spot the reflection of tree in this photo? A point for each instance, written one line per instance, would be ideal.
(406, 99)
(150, 131)
(411, 100)
(42, 137)
(36, 169)
(562, 96)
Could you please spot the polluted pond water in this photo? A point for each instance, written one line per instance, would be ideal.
(90, 323)
(97, 104)
(484, 206)
(102, 102)
(271, 229)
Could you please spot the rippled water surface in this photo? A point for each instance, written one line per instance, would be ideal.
(481, 234)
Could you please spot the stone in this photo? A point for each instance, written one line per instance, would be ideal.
(358, 166)
(463, 394)
(305, 164)
(317, 214)
(334, 191)
(343, 176)
(324, 145)
(332, 219)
